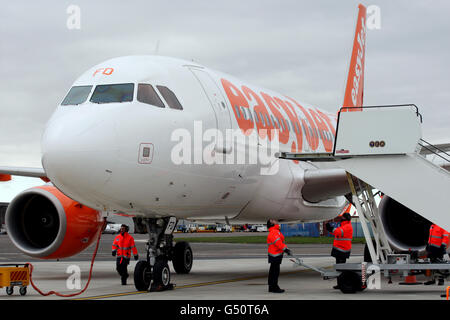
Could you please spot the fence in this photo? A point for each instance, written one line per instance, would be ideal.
(316, 229)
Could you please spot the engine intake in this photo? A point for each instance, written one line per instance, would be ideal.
(44, 223)
(404, 228)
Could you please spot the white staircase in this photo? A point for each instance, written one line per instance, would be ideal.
(368, 213)
(381, 146)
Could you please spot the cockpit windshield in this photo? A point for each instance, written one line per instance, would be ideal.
(76, 95)
(113, 93)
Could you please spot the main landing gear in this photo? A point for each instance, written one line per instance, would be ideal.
(153, 274)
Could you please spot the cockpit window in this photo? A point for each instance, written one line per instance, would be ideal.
(170, 97)
(146, 94)
(107, 93)
(76, 95)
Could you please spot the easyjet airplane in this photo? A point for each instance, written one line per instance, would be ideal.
(131, 137)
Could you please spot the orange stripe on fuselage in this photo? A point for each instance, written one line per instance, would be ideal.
(5, 177)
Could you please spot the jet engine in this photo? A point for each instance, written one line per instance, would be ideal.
(44, 223)
(404, 228)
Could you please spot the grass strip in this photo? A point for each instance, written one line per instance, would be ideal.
(263, 240)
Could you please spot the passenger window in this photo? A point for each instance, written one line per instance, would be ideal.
(285, 124)
(237, 111)
(256, 116)
(250, 114)
(147, 94)
(274, 124)
(262, 119)
(77, 95)
(244, 113)
(170, 98)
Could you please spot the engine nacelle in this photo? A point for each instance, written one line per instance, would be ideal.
(404, 228)
(44, 223)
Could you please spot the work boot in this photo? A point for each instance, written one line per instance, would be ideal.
(336, 287)
(276, 290)
(440, 282)
(124, 280)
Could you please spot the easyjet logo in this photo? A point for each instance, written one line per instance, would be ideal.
(267, 113)
(361, 39)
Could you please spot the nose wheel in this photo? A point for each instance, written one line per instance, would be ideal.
(153, 274)
(142, 275)
(161, 276)
(182, 257)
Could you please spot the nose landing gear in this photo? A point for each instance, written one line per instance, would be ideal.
(153, 274)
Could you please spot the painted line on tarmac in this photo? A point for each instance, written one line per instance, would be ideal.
(194, 285)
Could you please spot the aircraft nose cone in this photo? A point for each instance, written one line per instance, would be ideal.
(79, 153)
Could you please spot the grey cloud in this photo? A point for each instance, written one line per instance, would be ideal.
(299, 48)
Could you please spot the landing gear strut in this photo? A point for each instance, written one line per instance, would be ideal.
(154, 272)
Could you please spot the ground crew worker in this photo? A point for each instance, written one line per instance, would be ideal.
(122, 246)
(277, 247)
(435, 247)
(445, 242)
(343, 236)
(342, 244)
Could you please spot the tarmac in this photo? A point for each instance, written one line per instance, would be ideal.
(220, 272)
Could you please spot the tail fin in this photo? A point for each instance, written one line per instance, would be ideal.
(354, 90)
(346, 210)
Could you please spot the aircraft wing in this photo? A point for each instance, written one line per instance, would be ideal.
(23, 171)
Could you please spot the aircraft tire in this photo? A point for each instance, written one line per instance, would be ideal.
(182, 257)
(161, 273)
(349, 282)
(142, 275)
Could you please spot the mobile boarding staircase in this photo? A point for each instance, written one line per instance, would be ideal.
(381, 148)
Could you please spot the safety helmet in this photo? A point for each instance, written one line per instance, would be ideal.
(346, 216)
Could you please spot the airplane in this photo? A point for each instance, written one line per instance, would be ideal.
(151, 136)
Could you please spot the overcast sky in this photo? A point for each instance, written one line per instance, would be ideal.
(298, 48)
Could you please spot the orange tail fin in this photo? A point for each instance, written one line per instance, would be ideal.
(347, 209)
(354, 90)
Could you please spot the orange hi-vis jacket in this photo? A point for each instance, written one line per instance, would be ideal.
(343, 237)
(275, 241)
(436, 237)
(124, 244)
(445, 238)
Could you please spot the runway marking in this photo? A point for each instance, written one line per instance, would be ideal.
(194, 285)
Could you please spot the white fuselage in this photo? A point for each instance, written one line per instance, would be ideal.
(94, 153)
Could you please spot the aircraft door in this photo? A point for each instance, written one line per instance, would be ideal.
(218, 104)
